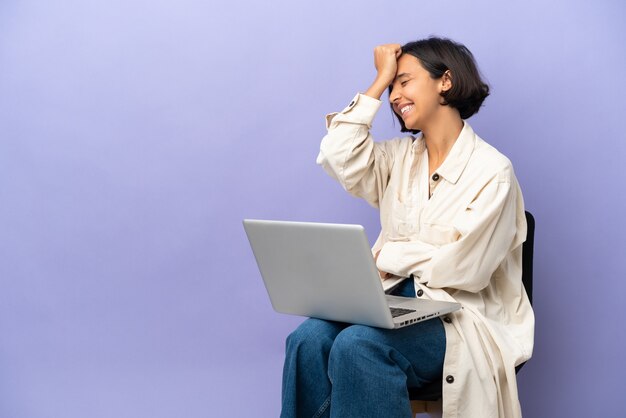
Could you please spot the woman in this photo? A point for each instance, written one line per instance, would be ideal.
(452, 219)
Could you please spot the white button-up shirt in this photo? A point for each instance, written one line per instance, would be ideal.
(462, 243)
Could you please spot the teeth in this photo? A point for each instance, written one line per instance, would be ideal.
(406, 109)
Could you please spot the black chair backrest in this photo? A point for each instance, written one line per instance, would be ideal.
(527, 256)
(527, 263)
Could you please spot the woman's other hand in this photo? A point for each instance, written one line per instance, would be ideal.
(383, 275)
(386, 63)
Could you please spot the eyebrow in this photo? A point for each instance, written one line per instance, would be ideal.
(401, 76)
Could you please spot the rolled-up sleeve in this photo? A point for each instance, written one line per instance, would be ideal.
(487, 231)
(349, 154)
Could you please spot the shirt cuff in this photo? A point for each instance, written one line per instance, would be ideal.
(404, 258)
(388, 259)
(361, 109)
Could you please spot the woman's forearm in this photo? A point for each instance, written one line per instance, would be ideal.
(377, 88)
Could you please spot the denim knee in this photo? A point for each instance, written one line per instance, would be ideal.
(313, 335)
(347, 338)
(352, 342)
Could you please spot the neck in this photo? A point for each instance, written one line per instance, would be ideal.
(440, 136)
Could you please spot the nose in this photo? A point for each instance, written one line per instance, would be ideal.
(394, 96)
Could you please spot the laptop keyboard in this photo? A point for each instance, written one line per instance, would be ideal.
(395, 312)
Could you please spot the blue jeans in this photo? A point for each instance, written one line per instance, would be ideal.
(334, 369)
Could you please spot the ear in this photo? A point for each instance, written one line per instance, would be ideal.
(446, 81)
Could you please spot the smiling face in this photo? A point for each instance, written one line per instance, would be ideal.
(415, 95)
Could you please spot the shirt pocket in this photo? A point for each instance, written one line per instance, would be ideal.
(397, 224)
(438, 234)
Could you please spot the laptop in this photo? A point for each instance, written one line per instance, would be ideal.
(327, 271)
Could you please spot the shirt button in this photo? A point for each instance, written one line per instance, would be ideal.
(450, 378)
(435, 177)
(447, 320)
(420, 292)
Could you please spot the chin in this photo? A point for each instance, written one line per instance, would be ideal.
(412, 126)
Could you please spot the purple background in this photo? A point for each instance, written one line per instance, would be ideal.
(135, 136)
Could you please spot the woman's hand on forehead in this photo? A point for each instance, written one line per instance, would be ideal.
(386, 63)
(386, 60)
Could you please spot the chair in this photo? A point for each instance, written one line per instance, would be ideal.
(427, 399)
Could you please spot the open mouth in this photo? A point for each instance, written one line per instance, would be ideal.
(406, 109)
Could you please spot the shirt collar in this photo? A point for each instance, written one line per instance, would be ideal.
(457, 158)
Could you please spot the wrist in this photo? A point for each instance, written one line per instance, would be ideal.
(378, 87)
(385, 78)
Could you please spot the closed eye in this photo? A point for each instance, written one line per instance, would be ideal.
(404, 82)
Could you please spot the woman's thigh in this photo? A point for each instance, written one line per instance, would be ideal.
(315, 333)
(418, 349)
(422, 345)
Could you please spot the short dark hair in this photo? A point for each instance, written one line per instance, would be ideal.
(438, 55)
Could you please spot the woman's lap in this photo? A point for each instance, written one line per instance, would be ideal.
(367, 366)
(421, 344)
